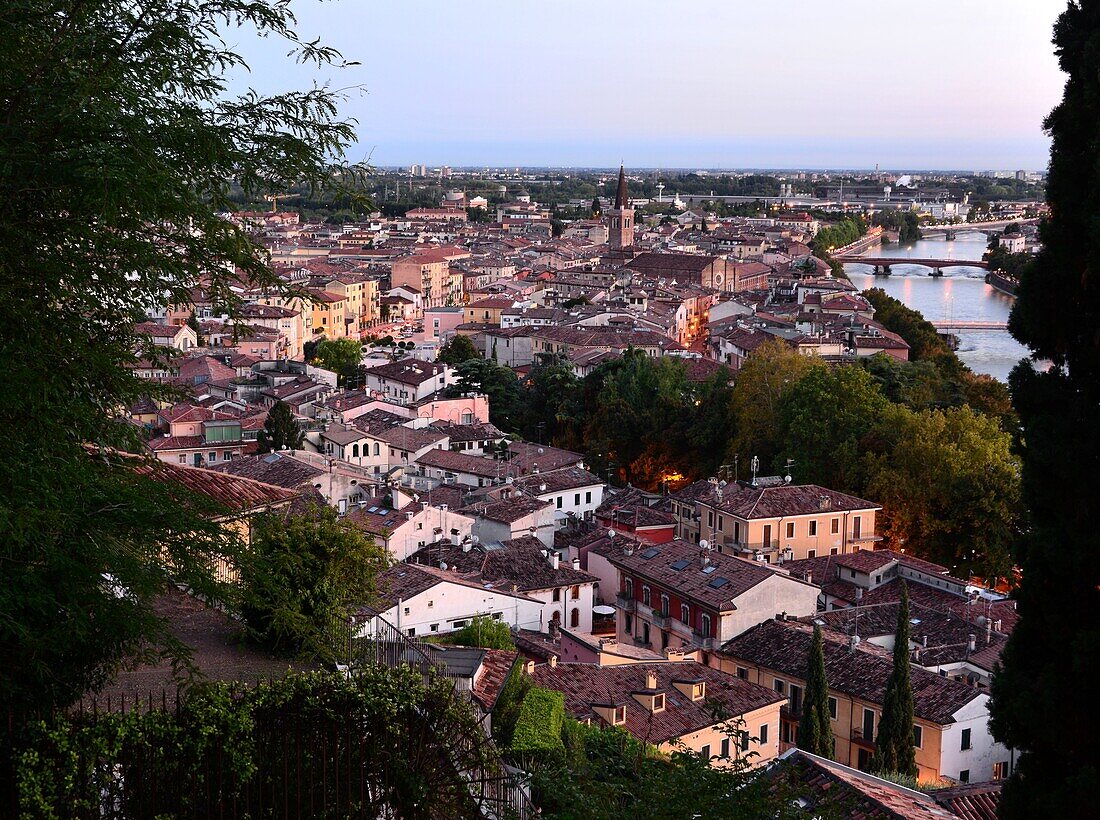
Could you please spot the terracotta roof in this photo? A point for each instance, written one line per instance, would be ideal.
(408, 371)
(491, 677)
(555, 481)
(748, 502)
(670, 262)
(270, 468)
(460, 463)
(677, 565)
(506, 510)
(971, 801)
(525, 457)
(235, 493)
(403, 581)
(861, 672)
(519, 563)
(585, 685)
(831, 787)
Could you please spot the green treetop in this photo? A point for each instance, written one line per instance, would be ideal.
(341, 356)
(457, 350)
(280, 430)
(815, 732)
(894, 750)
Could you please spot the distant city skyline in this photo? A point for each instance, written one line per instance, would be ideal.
(790, 84)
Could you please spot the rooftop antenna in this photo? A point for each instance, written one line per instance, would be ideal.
(755, 464)
(787, 477)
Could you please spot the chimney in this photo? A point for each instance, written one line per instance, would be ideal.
(576, 563)
(924, 641)
(809, 576)
(859, 593)
(466, 546)
(971, 642)
(554, 560)
(650, 679)
(553, 661)
(853, 642)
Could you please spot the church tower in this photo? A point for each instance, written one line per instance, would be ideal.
(621, 233)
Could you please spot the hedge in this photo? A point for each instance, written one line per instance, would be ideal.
(538, 728)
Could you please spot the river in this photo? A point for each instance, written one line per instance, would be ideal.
(961, 294)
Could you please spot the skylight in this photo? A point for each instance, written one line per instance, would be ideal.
(683, 563)
(719, 582)
(709, 568)
(652, 552)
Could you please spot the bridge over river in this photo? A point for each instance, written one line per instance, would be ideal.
(949, 326)
(935, 264)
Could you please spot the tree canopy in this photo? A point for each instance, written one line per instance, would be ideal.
(341, 356)
(280, 431)
(122, 144)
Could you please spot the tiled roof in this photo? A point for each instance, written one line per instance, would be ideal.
(670, 262)
(835, 789)
(409, 371)
(525, 457)
(235, 493)
(406, 438)
(403, 581)
(270, 468)
(478, 431)
(567, 478)
(677, 565)
(460, 463)
(749, 502)
(491, 677)
(861, 672)
(585, 685)
(506, 510)
(971, 801)
(520, 563)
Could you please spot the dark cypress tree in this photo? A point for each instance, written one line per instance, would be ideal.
(597, 209)
(1056, 643)
(894, 751)
(280, 431)
(815, 732)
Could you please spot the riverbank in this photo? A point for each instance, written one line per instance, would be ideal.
(1003, 282)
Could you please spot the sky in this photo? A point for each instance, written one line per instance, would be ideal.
(930, 84)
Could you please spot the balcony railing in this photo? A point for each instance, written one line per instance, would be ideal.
(654, 616)
(704, 641)
(750, 546)
(626, 603)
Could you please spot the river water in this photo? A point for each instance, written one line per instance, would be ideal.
(961, 294)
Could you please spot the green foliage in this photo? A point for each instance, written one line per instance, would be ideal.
(280, 431)
(894, 750)
(949, 484)
(225, 743)
(597, 208)
(485, 632)
(193, 323)
(837, 235)
(508, 705)
(304, 577)
(538, 728)
(1056, 316)
(498, 383)
(815, 731)
(122, 144)
(341, 356)
(904, 222)
(1011, 263)
(457, 350)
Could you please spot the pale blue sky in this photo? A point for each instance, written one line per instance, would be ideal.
(707, 83)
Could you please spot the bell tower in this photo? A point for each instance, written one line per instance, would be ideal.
(621, 233)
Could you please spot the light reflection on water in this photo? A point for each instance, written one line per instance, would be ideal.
(961, 294)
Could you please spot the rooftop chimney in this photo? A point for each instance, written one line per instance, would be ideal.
(650, 679)
(554, 560)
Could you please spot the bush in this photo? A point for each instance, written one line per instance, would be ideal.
(484, 632)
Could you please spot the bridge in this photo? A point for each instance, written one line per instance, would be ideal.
(963, 324)
(935, 264)
(972, 227)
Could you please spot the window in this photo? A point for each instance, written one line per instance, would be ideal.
(857, 527)
(659, 702)
(685, 613)
(575, 617)
(629, 587)
(588, 497)
(183, 459)
(575, 592)
(836, 526)
(763, 734)
(435, 627)
(832, 708)
(725, 748)
(406, 610)
(664, 605)
(213, 456)
(376, 452)
(355, 451)
(790, 529)
(813, 528)
(966, 744)
(645, 594)
(556, 595)
(852, 572)
(559, 502)
(704, 625)
(918, 736)
(1000, 770)
(742, 673)
(411, 632)
(576, 499)
(964, 776)
(628, 624)
(721, 523)
(796, 699)
(868, 725)
(744, 738)
(619, 715)
(710, 519)
(705, 752)
(833, 551)
(779, 686)
(811, 553)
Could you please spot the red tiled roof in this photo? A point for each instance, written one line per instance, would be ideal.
(233, 492)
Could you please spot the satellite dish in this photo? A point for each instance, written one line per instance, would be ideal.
(611, 533)
(787, 478)
(704, 544)
(443, 566)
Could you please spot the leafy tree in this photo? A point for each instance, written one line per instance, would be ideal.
(949, 484)
(457, 350)
(823, 418)
(341, 356)
(894, 750)
(122, 145)
(303, 579)
(1056, 315)
(498, 383)
(281, 430)
(815, 731)
(551, 391)
(484, 632)
(761, 383)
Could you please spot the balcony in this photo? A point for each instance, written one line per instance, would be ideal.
(654, 616)
(857, 737)
(738, 545)
(704, 641)
(625, 603)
